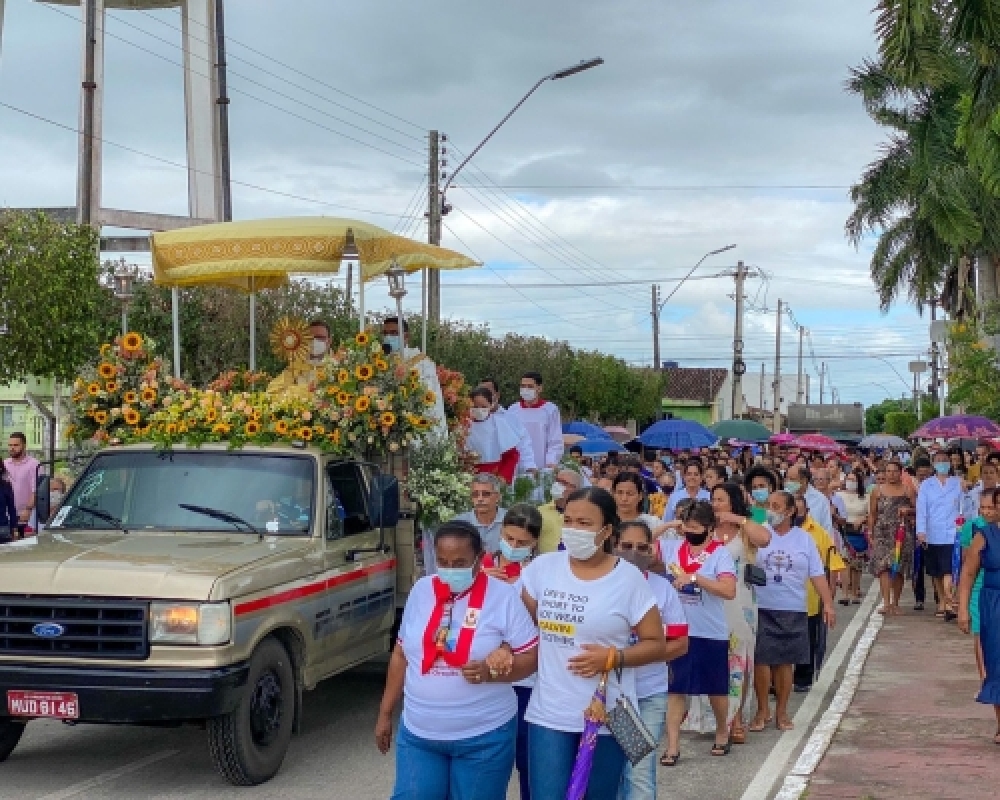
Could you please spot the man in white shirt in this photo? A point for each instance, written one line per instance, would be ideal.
(939, 502)
(526, 454)
(798, 481)
(427, 369)
(542, 421)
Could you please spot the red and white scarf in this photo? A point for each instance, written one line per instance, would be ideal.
(435, 636)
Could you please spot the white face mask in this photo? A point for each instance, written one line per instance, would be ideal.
(557, 491)
(56, 497)
(851, 486)
(529, 395)
(479, 414)
(318, 348)
(580, 544)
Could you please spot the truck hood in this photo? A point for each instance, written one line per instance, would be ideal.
(169, 565)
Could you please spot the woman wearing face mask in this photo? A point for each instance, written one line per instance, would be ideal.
(491, 437)
(790, 561)
(522, 526)
(634, 543)
(588, 604)
(704, 575)
(741, 537)
(627, 488)
(852, 524)
(759, 483)
(464, 638)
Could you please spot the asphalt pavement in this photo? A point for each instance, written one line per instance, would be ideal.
(334, 756)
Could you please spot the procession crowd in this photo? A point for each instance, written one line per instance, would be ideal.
(659, 593)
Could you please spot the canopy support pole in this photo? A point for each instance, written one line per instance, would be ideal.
(253, 326)
(423, 311)
(175, 302)
(361, 297)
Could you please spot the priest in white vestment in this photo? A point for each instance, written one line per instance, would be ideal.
(542, 421)
(427, 369)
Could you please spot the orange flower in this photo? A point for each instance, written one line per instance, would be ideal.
(334, 437)
(364, 372)
(362, 404)
(319, 430)
(305, 434)
(131, 416)
(100, 417)
(148, 395)
(252, 428)
(387, 419)
(131, 398)
(93, 389)
(171, 428)
(132, 342)
(111, 386)
(381, 364)
(220, 428)
(211, 415)
(343, 398)
(343, 376)
(362, 339)
(281, 427)
(106, 349)
(106, 370)
(430, 398)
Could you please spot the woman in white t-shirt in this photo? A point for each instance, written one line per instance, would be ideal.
(629, 491)
(634, 543)
(704, 575)
(459, 724)
(587, 604)
(791, 560)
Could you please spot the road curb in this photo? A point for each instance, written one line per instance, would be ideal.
(797, 780)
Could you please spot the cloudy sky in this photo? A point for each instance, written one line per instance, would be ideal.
(711, 122)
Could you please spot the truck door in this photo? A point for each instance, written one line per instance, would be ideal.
(360, 569)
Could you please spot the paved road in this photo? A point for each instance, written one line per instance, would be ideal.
(333, 757)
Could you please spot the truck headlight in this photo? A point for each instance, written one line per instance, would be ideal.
(190, 623)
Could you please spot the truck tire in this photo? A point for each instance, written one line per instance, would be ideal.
(10, 735)
(249, 744)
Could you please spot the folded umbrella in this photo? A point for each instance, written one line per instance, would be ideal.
(593, 718)
(897, 555)
(956, 554)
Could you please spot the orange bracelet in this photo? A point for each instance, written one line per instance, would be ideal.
(612, 657)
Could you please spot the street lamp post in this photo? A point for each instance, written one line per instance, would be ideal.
(437, 199)
(397, 291)
(350, 255)
(124, 281)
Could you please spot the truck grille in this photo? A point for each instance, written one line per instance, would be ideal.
(90, 628)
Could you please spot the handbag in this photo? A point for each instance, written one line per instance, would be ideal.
(858, 542)
(754, 575)
(630, 731)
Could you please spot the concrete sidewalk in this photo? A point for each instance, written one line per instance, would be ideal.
(913, 730)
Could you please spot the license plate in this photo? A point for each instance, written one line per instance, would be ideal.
(56, 705)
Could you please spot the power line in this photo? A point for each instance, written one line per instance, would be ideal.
(670, 188)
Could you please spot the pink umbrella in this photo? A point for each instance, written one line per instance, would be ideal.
(817, 441)
(782, 438)
(618, 433)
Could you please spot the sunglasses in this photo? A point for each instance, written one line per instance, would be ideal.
(639, 548)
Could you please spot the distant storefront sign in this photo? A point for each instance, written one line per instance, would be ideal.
(804, 418)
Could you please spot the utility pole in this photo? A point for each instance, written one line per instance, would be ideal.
(800, 386)
(777, 370)
(822, 375)
(89, 188)
(434, 225)
(808, 393)
(740, 274)
(222, 105)
(762, 379)
(656, 326)
(935, 386)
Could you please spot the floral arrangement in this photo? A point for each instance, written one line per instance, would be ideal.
(117, 397)
(455, 394)
(360, 401)
(438, 481)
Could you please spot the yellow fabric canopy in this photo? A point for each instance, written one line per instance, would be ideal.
(269, 250)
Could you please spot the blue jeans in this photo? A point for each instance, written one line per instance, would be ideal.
(550, 764)
(521, 754)
(466, 769)
(639, 782)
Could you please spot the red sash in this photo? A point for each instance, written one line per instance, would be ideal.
(689, 563)
(434, 643)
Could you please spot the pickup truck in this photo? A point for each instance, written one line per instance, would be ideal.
(211, 586)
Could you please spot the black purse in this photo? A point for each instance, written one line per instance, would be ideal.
(754, 575)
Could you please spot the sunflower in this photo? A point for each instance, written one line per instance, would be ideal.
(319, 430)
(106, 370)
(148, 395)
(252, 428)
(131, 342)
(343, 398)
(131, 416)
(387, 419)
(106, 349)
(100, 417)
(281, 427)
(94, 389)
(305, 434)
(422, 423)
(182, 427)
(334, 437)
(362, 404)
(131, 398)
(111, 386)
(343, 376)
(171, 428)
(430, 398)
(220, 429)
(255, 414)
(211, 415)
(381, 364)
(362, 339)
(364, 372)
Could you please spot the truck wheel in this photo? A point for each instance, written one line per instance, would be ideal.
(10, 735)
(249, 744)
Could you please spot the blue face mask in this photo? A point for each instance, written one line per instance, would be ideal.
(760, 495)
(393, 343)
(459, 579)
(942, 467)
(792, 486)
(774, 518)
(517, 554)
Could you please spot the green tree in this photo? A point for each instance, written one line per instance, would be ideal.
(50, 297)
(900, 423)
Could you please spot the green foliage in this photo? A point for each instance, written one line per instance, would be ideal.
(900, 423)
(876, 416)
(974, 375)
(50, 297)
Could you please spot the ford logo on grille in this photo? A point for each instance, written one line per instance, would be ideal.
(48, 630)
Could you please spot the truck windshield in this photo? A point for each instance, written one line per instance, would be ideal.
(146, 491)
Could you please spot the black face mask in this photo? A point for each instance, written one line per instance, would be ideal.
(696, 539)
(797, 520)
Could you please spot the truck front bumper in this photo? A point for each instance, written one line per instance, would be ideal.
(130, 694)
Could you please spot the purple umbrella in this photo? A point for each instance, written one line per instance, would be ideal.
(959, 425)
(593, 720)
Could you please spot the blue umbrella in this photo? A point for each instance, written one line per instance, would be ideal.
(586, 429)
(598, 447)
(677, 434)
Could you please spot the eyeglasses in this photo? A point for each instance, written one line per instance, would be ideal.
(628, 547)
(487, 494)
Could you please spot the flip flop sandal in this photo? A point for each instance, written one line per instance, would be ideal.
(721, 749)
(785, 726)
(756, 727)
(738, 736)
(670, 759)
(844, 602)
(940, 614)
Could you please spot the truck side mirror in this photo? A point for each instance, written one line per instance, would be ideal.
(384, 502)
(43, 508)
